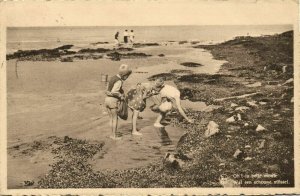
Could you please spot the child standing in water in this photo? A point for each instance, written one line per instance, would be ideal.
(136, 99)
(114, 95)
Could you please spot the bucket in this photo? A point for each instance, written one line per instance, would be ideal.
(104, 77)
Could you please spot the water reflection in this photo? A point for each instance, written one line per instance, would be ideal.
(164, 136)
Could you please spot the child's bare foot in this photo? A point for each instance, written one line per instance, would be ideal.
(115, 138)
(136, 133)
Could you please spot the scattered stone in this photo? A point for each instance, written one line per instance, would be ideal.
(246, 124)
(247, 146)
(260, 128)
(28, 183)
(292, 100)
(252, 103)
(262, 103)
(262, 144)
(161, 55)
(222, 165)
(238, 154)
(239, 117)
(288, 81)
(228, 136)
(284, 68)
(256, 84)
(248, 158)
(231, 119)
(212, 129)
(233, 105)
(242, 108)
(171, 162)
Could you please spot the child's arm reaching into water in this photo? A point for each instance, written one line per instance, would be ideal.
(176, 102)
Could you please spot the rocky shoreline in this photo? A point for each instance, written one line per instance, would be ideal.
(249, 134)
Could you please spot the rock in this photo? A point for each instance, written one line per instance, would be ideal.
(288, 81)
(212, 129)
(238, 154)
(28, 183)
(292, 100)
(256, 84)
(246, 124)
(242, 108)
(262, 144)
(252, 103)
(248, 159)
(247, 146)
(226, 182)
(222, 165)
(262, 103)
(260, 128)
(239, 117)
(231, 119)
(233, 105)
(284, 68)
(171, 162)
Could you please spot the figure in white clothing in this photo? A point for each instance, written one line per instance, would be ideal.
(168, 97)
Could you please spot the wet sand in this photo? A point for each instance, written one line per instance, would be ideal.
(66, 99)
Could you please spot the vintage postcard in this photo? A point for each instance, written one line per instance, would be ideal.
(160, 97)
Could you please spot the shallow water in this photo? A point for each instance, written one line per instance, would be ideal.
(66, 99)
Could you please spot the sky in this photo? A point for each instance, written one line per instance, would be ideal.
(151, 12)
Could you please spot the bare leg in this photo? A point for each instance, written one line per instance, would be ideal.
(135, 115)
(114, 122)
(160, 117)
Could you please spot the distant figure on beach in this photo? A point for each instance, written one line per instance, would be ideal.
(131, 37)
(114, 95)
(168, 98)
(136, 99)
(125, 36)
(117, 38)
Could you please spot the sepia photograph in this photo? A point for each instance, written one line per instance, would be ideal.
(151, 94)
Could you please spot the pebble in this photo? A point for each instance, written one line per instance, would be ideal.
(247, 146)
(231, 119)
(246, 124)
(234, 105)
(292, 100)
(288, 81)
(262, 144)
(222, 165)
(212, 129)
(256, 84)
(239, 117)
(237, 153)
(248, 158)
(242, 108)
(260, 128)
(252, 103)
(262, 103)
